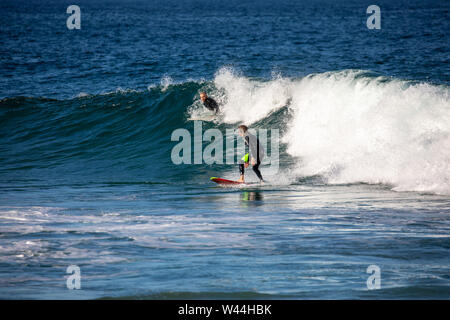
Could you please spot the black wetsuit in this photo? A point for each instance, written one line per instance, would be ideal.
(256, 151)
(211, 104)
(255, 169)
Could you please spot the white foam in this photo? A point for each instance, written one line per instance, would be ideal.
(248, 101)
(351, 127)
(359, 129)
(166, 81)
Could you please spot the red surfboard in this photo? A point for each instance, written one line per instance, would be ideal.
(224, 181)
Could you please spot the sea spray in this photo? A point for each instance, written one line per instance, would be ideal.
(248, 101)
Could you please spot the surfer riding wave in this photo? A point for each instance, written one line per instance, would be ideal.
(255, 155)
(209, 103)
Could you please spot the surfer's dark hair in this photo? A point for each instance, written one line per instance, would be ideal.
(243, 128)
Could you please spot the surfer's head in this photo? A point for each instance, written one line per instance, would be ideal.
(203, 96)
(242, 130)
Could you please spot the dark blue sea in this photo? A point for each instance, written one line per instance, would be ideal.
(361, 178)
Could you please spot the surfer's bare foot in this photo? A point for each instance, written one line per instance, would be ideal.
(240, 180)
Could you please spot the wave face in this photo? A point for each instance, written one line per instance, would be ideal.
(119, 135)
(347, 127)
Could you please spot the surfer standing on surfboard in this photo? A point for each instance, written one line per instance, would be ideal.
(209, 103)
(256, 153)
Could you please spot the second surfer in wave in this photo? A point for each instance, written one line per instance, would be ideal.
(209, 103)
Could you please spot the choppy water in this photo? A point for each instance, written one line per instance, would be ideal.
(86, 176)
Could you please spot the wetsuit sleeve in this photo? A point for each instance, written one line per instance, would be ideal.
(207, 105)
(257, 150)
(210, 104)
(214, 104)
(247, 147)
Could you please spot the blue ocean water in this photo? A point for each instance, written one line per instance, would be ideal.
(86, 177)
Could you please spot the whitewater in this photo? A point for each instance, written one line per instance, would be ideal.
(349, 126)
